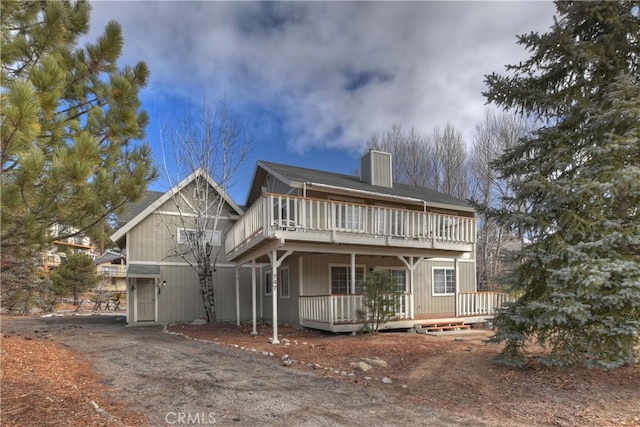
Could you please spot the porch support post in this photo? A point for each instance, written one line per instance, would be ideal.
(238, 295)
(411, 266)
(411, 287)
(456, 278)
(254, 330)
(273, 256)
(353, 287)
(275, 263)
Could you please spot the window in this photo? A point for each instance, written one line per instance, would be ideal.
(199, 194)
(284, 283)
(341, 279)
(350, 217)
(188, 235)
(444, 281)
(268, 284)
(400, 277)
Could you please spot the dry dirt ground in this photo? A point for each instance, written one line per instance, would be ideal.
(55, 371)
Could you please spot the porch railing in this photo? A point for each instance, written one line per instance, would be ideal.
(341, 308)
(277, 212)
(334, 309)
(480, 303)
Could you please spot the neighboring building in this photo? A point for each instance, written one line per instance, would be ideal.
(305, 243)
(111, 267)
(53, 256)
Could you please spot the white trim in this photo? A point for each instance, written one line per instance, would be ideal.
(433, 282)
(254, 316)
(192, 215)
(183, 264)
(461, 260)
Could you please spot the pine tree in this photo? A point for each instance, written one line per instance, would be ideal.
(71, 123)
(578, 178)
(381, 301)
(77, 274)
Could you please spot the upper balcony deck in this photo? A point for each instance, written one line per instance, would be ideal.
(277, 216)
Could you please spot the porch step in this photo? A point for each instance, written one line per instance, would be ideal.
(446, 326)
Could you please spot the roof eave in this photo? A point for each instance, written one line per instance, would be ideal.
(392, 197)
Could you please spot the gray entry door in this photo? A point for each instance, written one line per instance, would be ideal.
(146, 298)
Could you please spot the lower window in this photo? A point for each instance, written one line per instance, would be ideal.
(341, 280)
(444, 281)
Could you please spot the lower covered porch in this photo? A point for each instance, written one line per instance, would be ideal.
(342, 313)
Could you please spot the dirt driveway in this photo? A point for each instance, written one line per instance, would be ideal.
(171, 380)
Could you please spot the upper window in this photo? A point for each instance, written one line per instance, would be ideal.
(341, 279)
(350, 217)
(284, 283)
(188, 235)
(444, 281)
(199, 194)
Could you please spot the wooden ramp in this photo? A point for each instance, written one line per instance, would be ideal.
(438, 326)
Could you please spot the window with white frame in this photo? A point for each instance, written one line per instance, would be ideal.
(186, 235)
(399, 275)
(284, 283)
(444, 281)
(268, 284)
(341, 279)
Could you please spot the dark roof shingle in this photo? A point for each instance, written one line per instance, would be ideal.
(302, 175)
(134, 208)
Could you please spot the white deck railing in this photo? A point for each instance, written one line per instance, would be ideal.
(275, 212)
(112, 270)
(334, 309)
(480, 303)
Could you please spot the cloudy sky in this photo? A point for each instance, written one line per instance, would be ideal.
(315, 80)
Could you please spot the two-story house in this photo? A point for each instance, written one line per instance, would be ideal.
(307, 239)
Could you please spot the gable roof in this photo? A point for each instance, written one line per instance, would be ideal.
(134, 208)
(299, 177)
(138, 211)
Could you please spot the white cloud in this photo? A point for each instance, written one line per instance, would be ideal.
(333, 72)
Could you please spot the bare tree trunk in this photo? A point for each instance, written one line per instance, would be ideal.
(208, 296)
